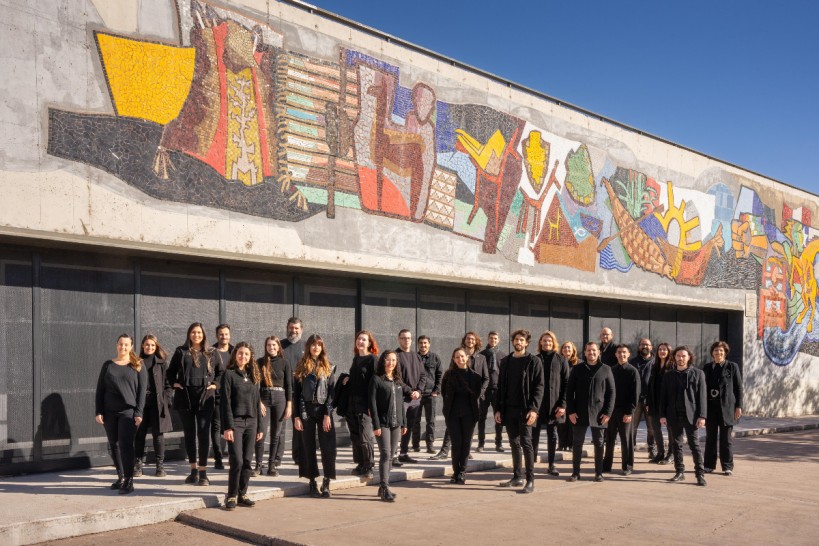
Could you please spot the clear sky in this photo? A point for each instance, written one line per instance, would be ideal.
(735, 79)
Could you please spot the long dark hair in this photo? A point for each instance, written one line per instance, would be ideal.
(380, 368)
(160, 352)
(664, 364)
(452, 365)
(251, 367)
(195, 352)
(321, 366)
(264, 362)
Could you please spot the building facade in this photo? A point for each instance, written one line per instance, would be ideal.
(164, 162)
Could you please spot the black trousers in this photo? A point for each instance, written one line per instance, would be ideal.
(196, 423)
(659, 439)
(461, 430)
(150, 420)
(564, 435)
(387, 447)
(362, 438)
(715, 431)
(121, 430)
(617, 427)
(308, 462)
(413, 414)
(578, 437)
(486, 401)
(520, 438)
(679, 429)
(551, 440)
(428, 404)
(216, 438)
(240, 453)
(274, 418)
(641, 412)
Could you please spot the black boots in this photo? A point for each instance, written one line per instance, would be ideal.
(193, 477)
(127, 486)
(529, 487)
(514, 482)
(138, 467)
(203, 478)
(117, 484)
(385, 494)
(678, 477)
(257, 470)
(325, 488)
(160, 467)
(314, 492)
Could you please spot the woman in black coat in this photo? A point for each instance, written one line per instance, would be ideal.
(662, 364)
(386, 402)
(724, 381)
(157, 415)
(119, 401)
(553, 408)
(195, 376)
(241, 426)
(461, 390)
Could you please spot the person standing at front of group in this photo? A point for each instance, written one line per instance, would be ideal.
(626, 398)
(157, 414)
(683, 407)
(724, 382)
(461, 388)
(643, 362)
(553, 408)
(222, 349)
(241, 425)
(359, 420)
(119, 401)
(493, 355)
(387, 409)
(414, 380)
(313, 395)
(432, 389)
(519, 397)
(276, 395)
(590, 398)
(195, 377)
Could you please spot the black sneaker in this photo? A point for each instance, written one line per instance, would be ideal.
(218, 464)
(499, 448)
(552, 471)
(573, 478)
(598, 477)
(244, 500)
(203, 479)
(230, 503)
(357, 470)
(431, 450)
(405, 458)
(272, 471)
(479, 449)
(193, 477)
(701, 481)
(416, 449)
(514, 482)
(440, 456)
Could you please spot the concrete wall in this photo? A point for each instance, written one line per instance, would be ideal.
(259, 131)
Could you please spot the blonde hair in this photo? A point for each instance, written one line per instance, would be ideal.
(573, 358)
(552, 335)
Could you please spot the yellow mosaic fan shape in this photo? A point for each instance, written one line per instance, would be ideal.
(147, 81)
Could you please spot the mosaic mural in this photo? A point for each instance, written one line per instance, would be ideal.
(230, 118)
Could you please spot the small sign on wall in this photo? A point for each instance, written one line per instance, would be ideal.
(750, 305)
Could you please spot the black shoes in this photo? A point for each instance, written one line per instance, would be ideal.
(627, 472)
(367, 474)
(325, 488)
(598, 477)
(479, 449)
(127, 486)
(431, 450)
(193, 477)
(439, 456)
(203, 478)
(668, 458)
(357, 471)
(117, 484)
(314, 491)
(405, 458)
(678, 477)
(272, 470)
(244, 500)
(727, 472)
(657, 458)
(385, 494)
(529, 487)
(218, 464)
(701, 481)
(573, 478)
(552, 471)
(160, 468)
(416, 449)
(707, 470)
(499, 448)
(256, 470)
(138, 468)
(514, 482)
(230, 503)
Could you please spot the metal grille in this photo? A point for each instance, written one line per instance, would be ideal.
(529, 312)
(689, 332)
(604, 314)
(388, 308)
(442, 316)
(489, 311)
(713, 328)
(328, 307)
(663, 326)
(257, 306)
(636, 324)
(566, 322)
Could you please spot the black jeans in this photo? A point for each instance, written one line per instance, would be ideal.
(274, 418)
(240, 453)
(486, 401)
(150, 420)
(121, 430)
(387, 447)
(617, 427)
(578, 437)
(308, 463)
(713, 431)
(551, 440)
(679, 428)
(659, 439)
(640, 412)
(520, 438)
(428, 404)
(461, 430)
(216, 438)
(413, 414)
(197, 423)
(362, 438)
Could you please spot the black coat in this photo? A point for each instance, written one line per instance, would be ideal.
(627, 383)
(158, 368)
(608, 355)
(556, 378)
(532, 386)
(474, 384)
(655, 387)
(691, 390)
(386, 398)
(590, 394)
(478, 363)
(728, 381)
(493, 358)
(179, 371)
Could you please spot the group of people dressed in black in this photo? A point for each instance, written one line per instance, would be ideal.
(225, 392)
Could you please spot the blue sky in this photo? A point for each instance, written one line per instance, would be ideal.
(737, 80)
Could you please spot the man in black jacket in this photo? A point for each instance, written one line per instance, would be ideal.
(643, 362)
(683, 407)
(223, 351)
(627, 394)
(518, 400)
(414, 379)
(429, 398)
(607, 347)
(293, 350)
(493, 356)
(590, 398)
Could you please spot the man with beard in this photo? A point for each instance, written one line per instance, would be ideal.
(607, 347)
(520, 393)
(414, 380)
(293, 350)
(627, 393)
(493, 356)
(643, 362)
(432, 389)
(223, 350)
(589, 402)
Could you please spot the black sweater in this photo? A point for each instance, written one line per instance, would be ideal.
(386, 403)
(120, 388)
(240, 398)
(361, 371)
(627, 387)
(281, 375)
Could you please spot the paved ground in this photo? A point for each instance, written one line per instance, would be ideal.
(772, 498)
